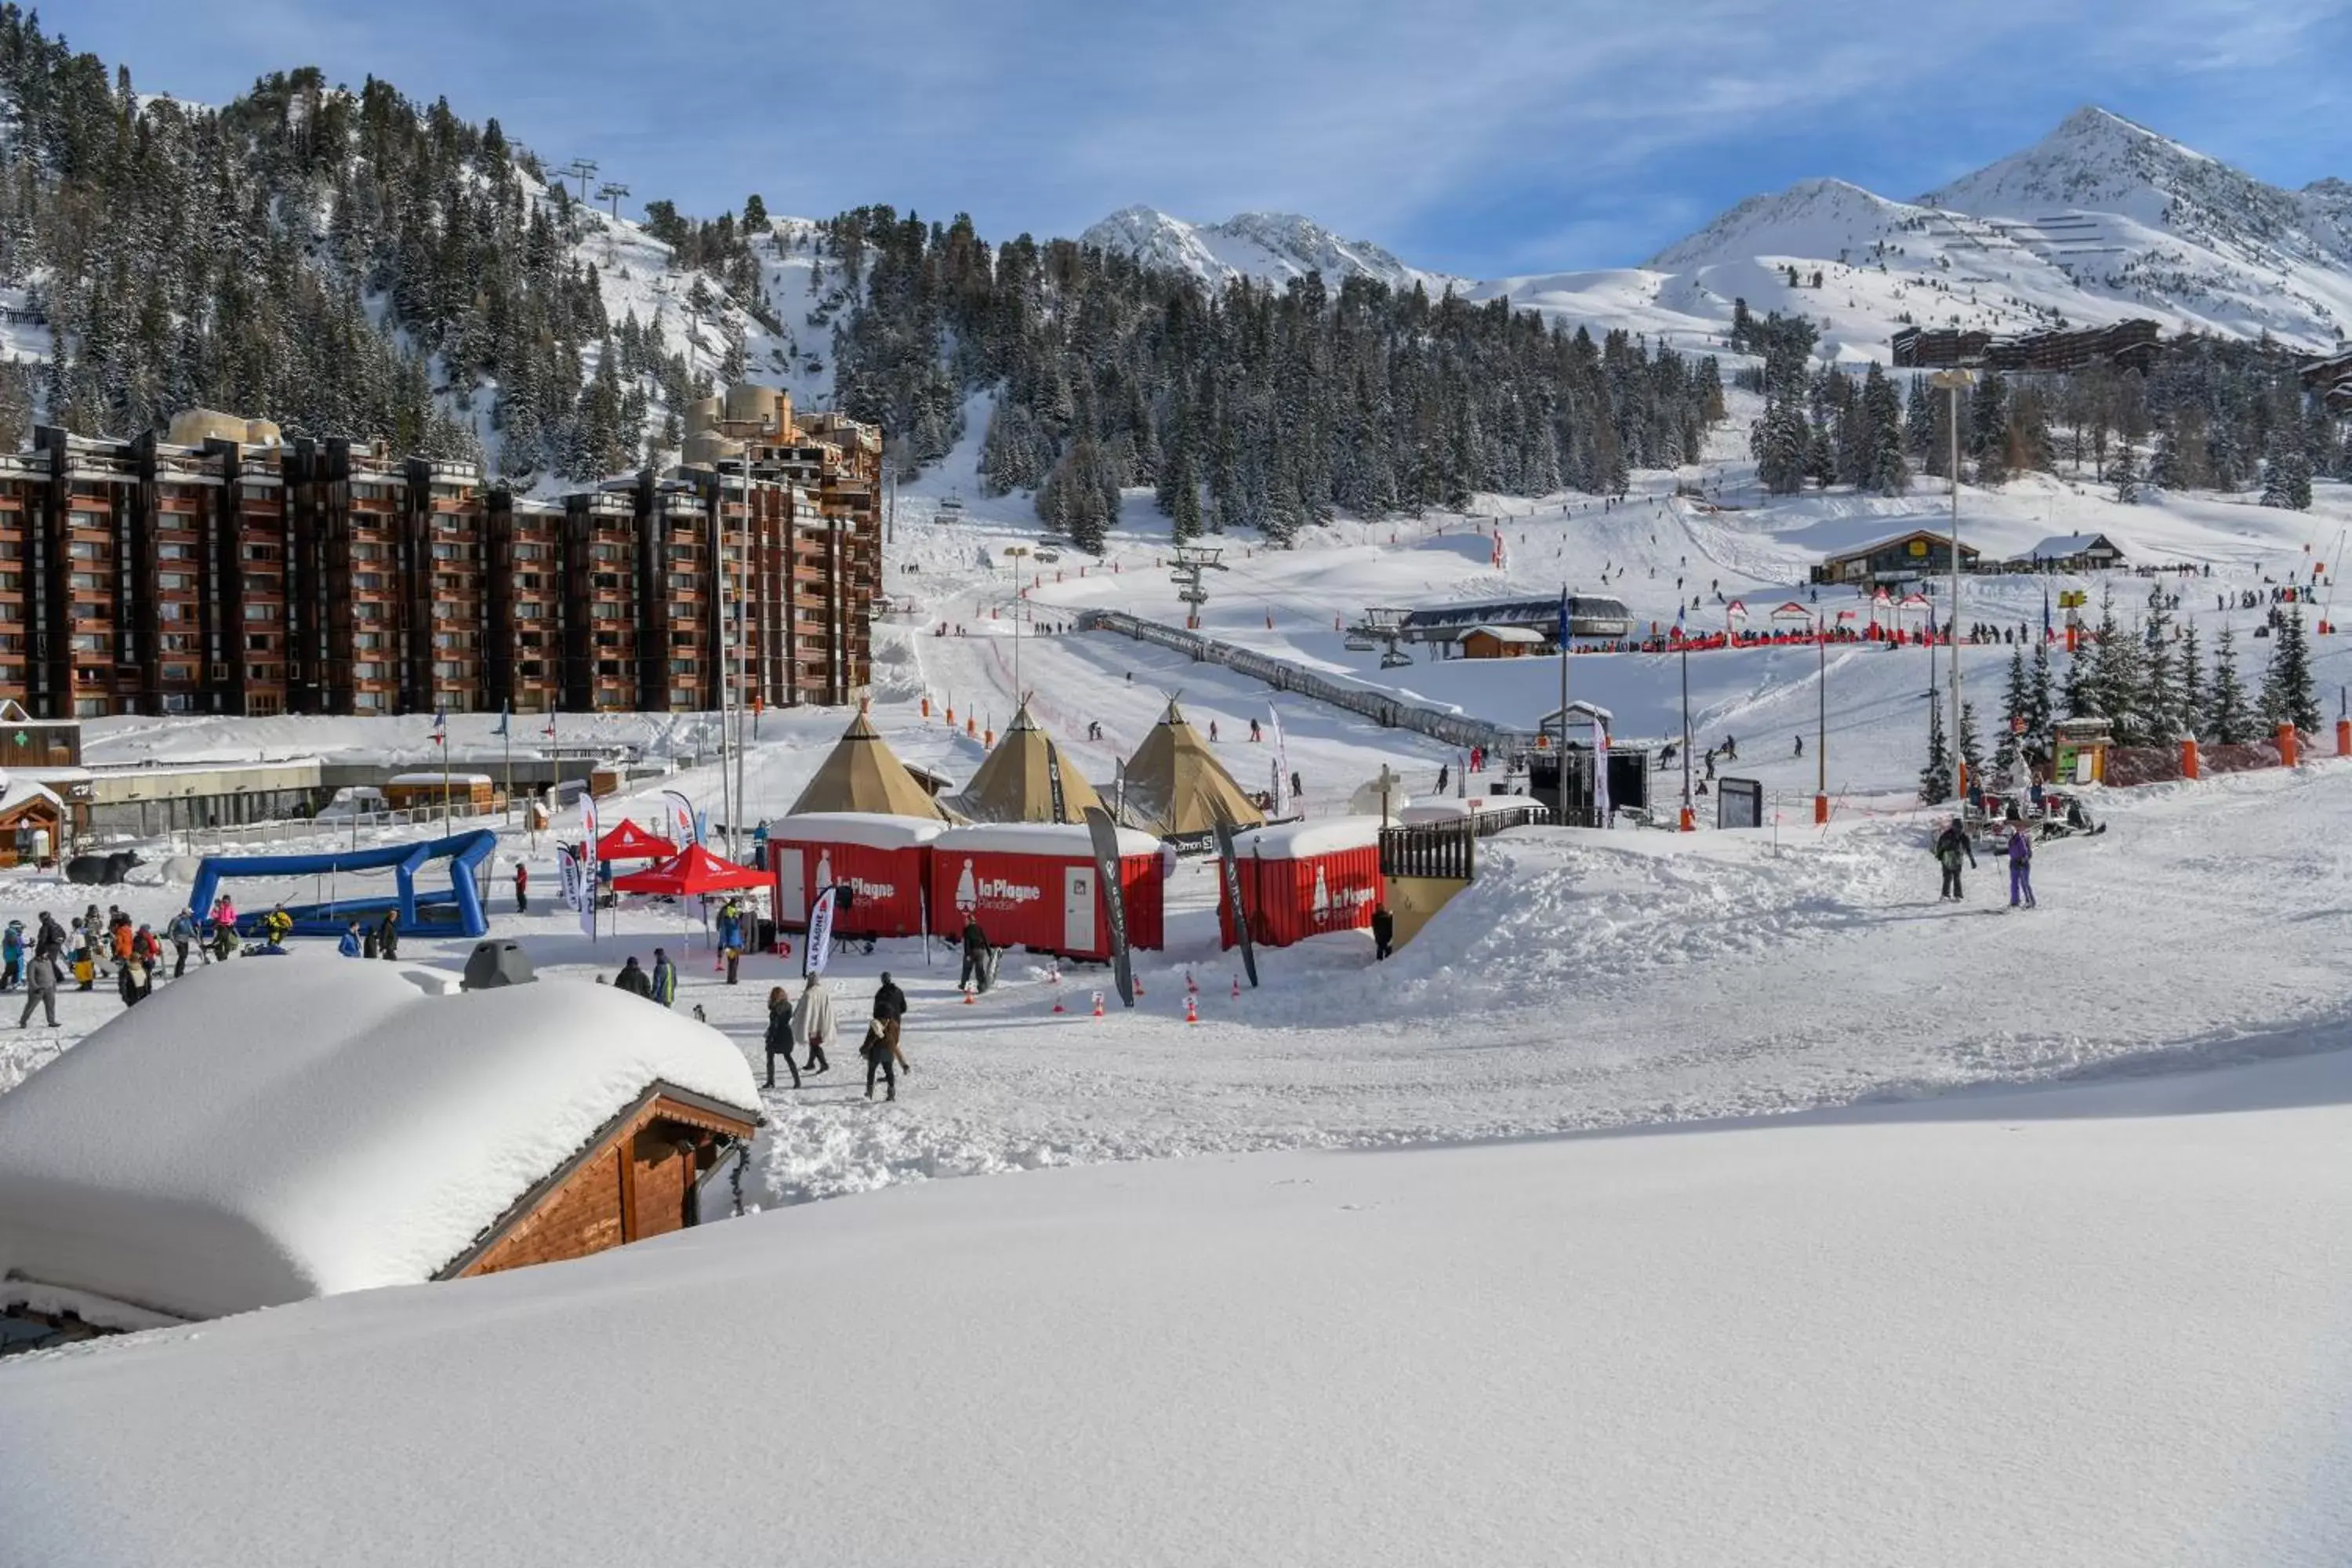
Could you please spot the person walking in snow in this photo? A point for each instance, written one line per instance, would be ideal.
(11, 955)
(731, 920)
(779, 1039)
(41, 985)
(1951, 845)
(1213, 731)
(387, 936)
(522, 889)
(182, 930)
(1801, 745)
(665, 979)
(2021, 865)
(1383, 933)
(880, 1048)
(1444, 771)
(975, 956)
(632, 979)
(813, 1017)
(350, 945)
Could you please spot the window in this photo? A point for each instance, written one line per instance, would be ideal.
(367, 640)
(367, 670)
(179, 702)
(261, 612)
(444, 550)
(447, 669)
(89, 707)
(682, 667)
(531, 612)
(172, 552)
(174, 581)
(259, 553)
(174, 643)
(172, 611)
(83, 549)
(180, 672)
(90, 642)
(368, 582)
(261, 643)
(682, 697)
(365, 702)
(91, 580)
(88, 519)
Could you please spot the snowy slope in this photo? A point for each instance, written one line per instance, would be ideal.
(2102, 1326)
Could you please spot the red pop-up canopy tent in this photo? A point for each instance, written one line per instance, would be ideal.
(627, 841)
(697, 870)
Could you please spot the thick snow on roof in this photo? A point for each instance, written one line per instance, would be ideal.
(873, 829)
(1298, 840)
(268, 1129)
(1065, 840)
(17, 790)
(2062, 546)
(418, 780)
(2010, 1329)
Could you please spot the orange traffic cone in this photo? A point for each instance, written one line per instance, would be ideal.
(1139, 985)
(1058, 1003)
(1191, 1011)
(1237, 987)
(1098, 1003)
(968, 999)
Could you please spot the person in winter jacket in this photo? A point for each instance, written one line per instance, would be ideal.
(780, 1040)
(350, 945)
(82, 954)
(1950, 845)
(1383, 933)
(890, 1011)
(975, 956)
(665, 979)
(12, 955)
(2021, 866)
(813, 1020)
(182, 930)
(41, 985)
(522, 889)
(632, 979)
(118, 935)
(880, 1048)
(131, 979)
(730, 937)
(387, 936)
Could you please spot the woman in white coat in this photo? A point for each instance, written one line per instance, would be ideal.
(813, 1021)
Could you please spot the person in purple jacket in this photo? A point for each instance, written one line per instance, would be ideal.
(2021, 865)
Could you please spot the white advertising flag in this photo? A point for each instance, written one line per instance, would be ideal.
(1282, 801)
(819, 946)
(590, 870)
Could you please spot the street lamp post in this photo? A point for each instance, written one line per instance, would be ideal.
(1952, 381)
(1821, 731)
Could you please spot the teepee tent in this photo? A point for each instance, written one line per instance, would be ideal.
(1017, 782)
(1177, 790)
(864, 774)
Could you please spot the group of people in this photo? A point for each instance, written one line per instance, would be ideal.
(1952, 848)
(360, 939)
(90, 949)
(810, 1021)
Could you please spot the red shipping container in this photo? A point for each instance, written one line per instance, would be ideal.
(885, 861)
(1033, 885)
(1304, 878)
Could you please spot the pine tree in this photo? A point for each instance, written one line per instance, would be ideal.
(2125, 474)
(1883, 469)
(1986, 438)
(2192, 704)
(2161, 708)
(2016, 705)
(2040, 712)
(2226, 716)
(1936, 778)
(1971, 743)
(2288, 694)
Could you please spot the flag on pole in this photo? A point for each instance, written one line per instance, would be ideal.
(592, 872)
(2045, 614)
(1599, 773)
(1564, 631)
(441, 726)
(819, 945)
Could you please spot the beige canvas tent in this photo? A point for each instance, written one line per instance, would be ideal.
(864, 774)
(1176, 789)
(1015, 782)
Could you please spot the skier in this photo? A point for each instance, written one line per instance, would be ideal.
(348, 946)
(632, 979)
(41, 984)
(665, 979)
(1254, 734)
(387, 936)
(2021, 865)
(1383, 933)
(523, 887)
(780, 1035)
(182, 930)
(1297, 788)
(975, 956)
(813, 1018)
(1950, 845)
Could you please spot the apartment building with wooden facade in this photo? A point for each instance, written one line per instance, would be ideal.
(224, 570)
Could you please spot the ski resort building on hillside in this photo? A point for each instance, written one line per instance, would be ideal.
(228, 570)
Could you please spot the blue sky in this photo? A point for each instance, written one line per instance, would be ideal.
(1473, 136)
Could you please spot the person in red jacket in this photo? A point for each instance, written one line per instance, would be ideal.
(522, 889)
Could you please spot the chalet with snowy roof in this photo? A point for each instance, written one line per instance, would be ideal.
(32, 822)
(2072, 552)
(283, 1128)
(1922, 553)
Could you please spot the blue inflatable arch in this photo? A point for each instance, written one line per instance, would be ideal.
(460, 907)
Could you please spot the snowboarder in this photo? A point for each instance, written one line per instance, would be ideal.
(2021, 865)
(522, 889)
(1951, 845)
(387, 936)
(632, 979)
(349, 946)
(780, 1035)
(1383, 933)
(41, 985)
(813, 1017)
(975, 956)
(665, 979)
(182, 930)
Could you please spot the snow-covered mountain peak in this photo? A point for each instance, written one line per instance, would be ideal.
(1268, 247)
(1818, 218)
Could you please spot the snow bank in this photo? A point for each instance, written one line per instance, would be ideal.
(2001, 1330)
(1062, 840)
(268, 1129)
(867, 829)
